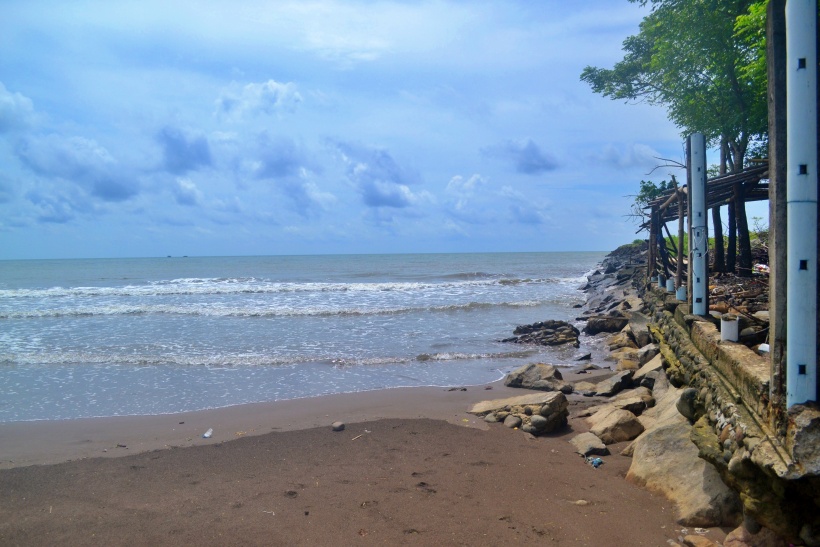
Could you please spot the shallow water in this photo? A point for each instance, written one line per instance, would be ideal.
(82, 338)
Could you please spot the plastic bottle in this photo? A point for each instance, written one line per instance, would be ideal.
(207, 434)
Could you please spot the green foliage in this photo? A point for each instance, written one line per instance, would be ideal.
(650, 190)
(759, 231)
(701, 60)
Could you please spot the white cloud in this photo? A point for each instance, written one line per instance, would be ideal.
(270, 97)
(186, 192)
(16, 110)
(628, 156)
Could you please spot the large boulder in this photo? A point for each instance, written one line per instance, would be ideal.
(605, 324)
(666, 461)
(656, 363)
(620, 340)
(614, 384)
(639, 325)
(587, 444)
(614, 425)
(538, 376)
(647, 353)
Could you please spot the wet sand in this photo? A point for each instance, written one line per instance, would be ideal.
(412, 467)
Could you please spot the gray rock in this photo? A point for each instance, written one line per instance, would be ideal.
(647, 353)
(614, 384)
(639, 323)
(804, 432)
(539, 422)
(656, 363)
(588, 444)
(538, 376)
(686, 405)
(512, 421)
(546, 333)
(502, 406)
(491, 418)
(665, 460)
(614, 425)
(338, 426)
(605, 324)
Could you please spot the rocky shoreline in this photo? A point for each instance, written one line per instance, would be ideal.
(628, 400)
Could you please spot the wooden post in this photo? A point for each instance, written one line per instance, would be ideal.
(681, 250)
(654, 232)
(776, 55)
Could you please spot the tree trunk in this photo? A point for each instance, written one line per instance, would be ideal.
(731, 251)
(681, 251)
(744, 261)
(720, 258)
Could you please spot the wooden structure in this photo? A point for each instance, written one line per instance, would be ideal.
(752, 182)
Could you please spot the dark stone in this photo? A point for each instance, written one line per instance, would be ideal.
(605, 324)
(546, 333)
(687, 403)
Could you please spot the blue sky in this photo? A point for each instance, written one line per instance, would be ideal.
(274, 127)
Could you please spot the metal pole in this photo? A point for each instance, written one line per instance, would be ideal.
(698, 244)
(801, 201)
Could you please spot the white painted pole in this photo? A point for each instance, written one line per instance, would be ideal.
(801, 201)
(698, 244)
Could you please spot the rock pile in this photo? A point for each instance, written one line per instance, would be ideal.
(535, 413)
(546, 333)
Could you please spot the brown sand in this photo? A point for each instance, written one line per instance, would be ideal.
(264, 479)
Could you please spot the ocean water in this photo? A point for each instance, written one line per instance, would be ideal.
(111, 337)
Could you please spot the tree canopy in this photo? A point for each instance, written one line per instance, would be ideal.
(704, 60)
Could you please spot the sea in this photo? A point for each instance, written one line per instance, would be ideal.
(145, 336)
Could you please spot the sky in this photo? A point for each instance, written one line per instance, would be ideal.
(157, 128)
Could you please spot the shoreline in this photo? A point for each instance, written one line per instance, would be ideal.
(44, 442)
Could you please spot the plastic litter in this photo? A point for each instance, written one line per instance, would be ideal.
(207, 434)
(594, 462)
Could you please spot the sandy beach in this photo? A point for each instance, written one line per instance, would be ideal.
(411, 467)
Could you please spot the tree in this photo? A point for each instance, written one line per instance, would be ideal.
(701, 60)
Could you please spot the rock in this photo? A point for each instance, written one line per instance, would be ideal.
(337, 426)
(512, 421)
(656, 363)
(627, 364)
(614, 425)
(546, 333)
(538, 376)
(686, 405)
(580, 387)
(740, 537)
(555, 412)
(605, 324)
(639, 324)
(642, 393)
(585, 357)
(647, 353)
(622, 353)
(491, 418)
(635, 405)
(614, 384)
(804, 436)
(548, 403)
(666, 461)
(620, 340)
(539, 422)
(699, 541)
(634, 400)
(588, 444)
